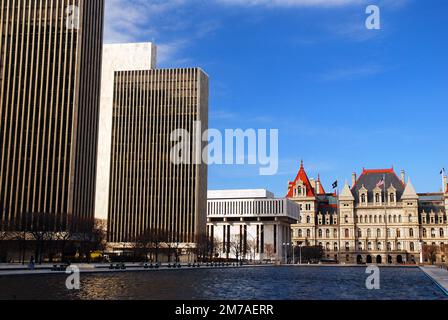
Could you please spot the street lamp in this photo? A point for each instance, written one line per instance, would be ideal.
(286, 252)
(293, 253)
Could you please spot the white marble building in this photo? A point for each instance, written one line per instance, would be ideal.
(250, 224)
(116, 57)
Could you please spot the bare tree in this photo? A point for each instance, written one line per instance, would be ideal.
(100, 234)
(430, 253)
(204, 247)
(218, 248)
(269, 251)
(237, 246)
(252, 249)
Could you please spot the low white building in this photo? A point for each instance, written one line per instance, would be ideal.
(250, 224)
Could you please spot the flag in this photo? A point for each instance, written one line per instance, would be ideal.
(381, 183)
(442, 171)
(335, 184)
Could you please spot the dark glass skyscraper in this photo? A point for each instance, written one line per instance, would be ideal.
(49, 107)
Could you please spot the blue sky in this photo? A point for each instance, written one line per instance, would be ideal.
(343, 97)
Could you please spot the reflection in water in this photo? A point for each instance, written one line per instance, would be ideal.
(266, 283)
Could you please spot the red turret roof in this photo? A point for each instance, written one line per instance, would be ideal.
(302, 176)
(321, 188)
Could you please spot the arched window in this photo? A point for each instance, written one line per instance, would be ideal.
(395, 219)
(398, 233)
(411, 233)
(299, 190)
(347, 246)
(379, 246)
(320, 233)
(433, 233)
(327, 233)
(361, 219)
(359, 233)
(400, 220)
(335, 233)
(425, 233)
(375, 219)
(389, 246)
(335, 246)
(381, 219)
(363, 198)
(300, 233)
(377, 198)
(378, 233)
(308, 219)
(410, 218)
(360, 245)
(389, 233)
(442, 233)
(390, 219)
(347, 233)
(399, 246)
(370, 219)
(346, 218)
(369, 246)
(369, 233)
(412, 246)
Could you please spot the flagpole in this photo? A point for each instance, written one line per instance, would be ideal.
(443, 182)
(385, 218)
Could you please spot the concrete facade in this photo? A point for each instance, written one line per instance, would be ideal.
(116, 57)
(250, 224)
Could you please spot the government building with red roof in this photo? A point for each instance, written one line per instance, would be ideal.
(379, 219)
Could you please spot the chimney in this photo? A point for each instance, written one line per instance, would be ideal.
(318, 187)
(354, 179)
(403, 176)
(313, 183)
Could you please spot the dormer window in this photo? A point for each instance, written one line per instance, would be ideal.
(432, 218)
(392, 194)
(363, 195)
(300, 189)
(377, 198)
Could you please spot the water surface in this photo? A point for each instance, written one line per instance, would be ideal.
(265, 283)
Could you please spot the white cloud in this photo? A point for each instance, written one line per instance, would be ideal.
(351, 73)
(130, 20)
(158, 21)
(292, 3)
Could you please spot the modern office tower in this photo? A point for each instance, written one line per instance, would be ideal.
(149, 194)
(49, 110)
(116, 57)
